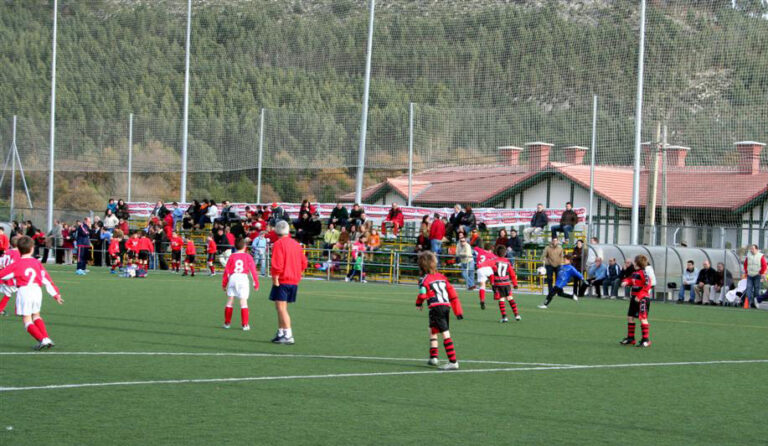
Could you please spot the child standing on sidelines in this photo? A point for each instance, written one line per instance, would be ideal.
(176, 244)
(8, 287)
(189, 259)
(502, 281)
(235, 283)
(639, 303)
(132, 248)
(441, 297)
(210, 249)
(114, 250)
(565, 273)
(358, 248)
(31, 276)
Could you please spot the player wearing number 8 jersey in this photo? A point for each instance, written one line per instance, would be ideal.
(441, 297)
(235, 283)
(30, 277)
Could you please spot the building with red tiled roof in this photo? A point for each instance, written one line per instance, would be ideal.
(700, 199)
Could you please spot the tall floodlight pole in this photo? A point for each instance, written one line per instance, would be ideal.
(592, 165)
(53, 118)
(364, 125)
(410, 153)
(130, 153)
(638, 130)
(261, 153)
(185, 131)
(13, 169)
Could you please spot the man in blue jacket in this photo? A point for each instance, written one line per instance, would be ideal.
(597, 274)
(565, 274)
(83, 243)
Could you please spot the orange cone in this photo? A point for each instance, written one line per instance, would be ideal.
(746, 301)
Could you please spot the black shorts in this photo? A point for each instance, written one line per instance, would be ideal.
(143, 254)
(211, 257)
(131, 254)
(190, 258)
(438, 318)
(501, 291)
(176, 256)
(639, 309)
(284, 293)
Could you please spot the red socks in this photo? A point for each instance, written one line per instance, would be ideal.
(482, 294)
(448, 344)
(433, 352)
(644, 328)
(4, 302)
(227, 315)
(35, 332)
(41, 326)
(631, 330)
(513, 304)
(503, 308)
(244, 316)
(212, 270)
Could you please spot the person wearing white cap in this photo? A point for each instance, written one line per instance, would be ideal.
(288, 264)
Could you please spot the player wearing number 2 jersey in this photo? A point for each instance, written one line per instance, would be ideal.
(441, 297)
(30, 277)
(235, 283)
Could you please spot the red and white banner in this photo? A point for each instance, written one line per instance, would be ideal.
(490, 216)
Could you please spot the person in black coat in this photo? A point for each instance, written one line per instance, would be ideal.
(468, 220)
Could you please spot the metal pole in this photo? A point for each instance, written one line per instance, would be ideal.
(364, 124)
(23, 177)
(590, 233)
(261, 152)
(664, 186)
(13, 168)
(638, 130)
(183, 198)
(130, 153)
(410, 153)
(53, 118)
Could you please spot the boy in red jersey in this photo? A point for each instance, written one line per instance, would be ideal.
(441, 297)
(485, 261)
(639, 303)
(114, 250)
(235, 283)
(4, 242)
(210, 249)
(146, 248)
(8, 287)
(502, 281)
(132, 246)
(189, 259)
(30, 277)
(176, 244)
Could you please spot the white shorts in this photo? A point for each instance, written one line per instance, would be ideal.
(484, 273)
(7, 290)
(28, 300)
(238, 286)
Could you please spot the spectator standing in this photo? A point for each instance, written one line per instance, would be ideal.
(277, 214)
(754, 267)
(111, 205)
(67, 244)
(339, 215)
(259, 251)
(539, 221)
(122, 210)
(455, 220)
(83, 243)
(612, 281)
(577, 256)
(160, 211)
(704, 281)
(110, 221)
(288, 263)
(177, 214)
(466, 261)
(689, 280)
(568, 221)
(395, 219)
(552, 257)
(436, 235)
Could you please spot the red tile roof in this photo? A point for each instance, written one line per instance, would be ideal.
(688, 187)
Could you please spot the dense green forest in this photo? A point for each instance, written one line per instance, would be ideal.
(483, 74)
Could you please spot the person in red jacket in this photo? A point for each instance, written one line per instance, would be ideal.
(114, 250)
(176, 244)
(441, 297)
(288, 263)
(4, 242)
(146, 248)
(189, 259)
(210, 249)
(436, 234)
(132, 247)
(394, 218)
(639, 303)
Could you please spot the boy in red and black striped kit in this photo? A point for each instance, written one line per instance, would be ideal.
(639, 304)
(210, 249)
(441, 297)
(189, 260)
(502, 281)
(176, 244)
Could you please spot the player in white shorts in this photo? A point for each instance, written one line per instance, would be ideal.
(235, 282)
(30, 278)
(484, 264)
(8, 287)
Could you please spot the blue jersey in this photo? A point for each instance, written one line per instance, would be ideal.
(564, 275)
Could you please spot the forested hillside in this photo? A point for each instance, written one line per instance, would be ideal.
(538, 62)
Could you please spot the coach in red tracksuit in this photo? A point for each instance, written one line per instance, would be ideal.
(288, 263)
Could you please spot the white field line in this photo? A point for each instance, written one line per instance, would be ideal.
(354, 375)
(266, 355)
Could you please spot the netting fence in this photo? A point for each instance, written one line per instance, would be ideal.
(481, 75)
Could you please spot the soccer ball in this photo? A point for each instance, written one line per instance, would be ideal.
(541, 270)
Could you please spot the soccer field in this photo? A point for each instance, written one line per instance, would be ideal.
(145, 361)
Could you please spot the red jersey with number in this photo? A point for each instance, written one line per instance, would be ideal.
(211, 247)
(114, 247)
(176, 243)
(28, 271)
(503, 273)
(132, 244)
(484, 258)
(5, 260)
(436, 290)
(240, 263)
(191, 248)
(640, 283)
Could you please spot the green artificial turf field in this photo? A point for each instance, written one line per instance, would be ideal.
(358, 373)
